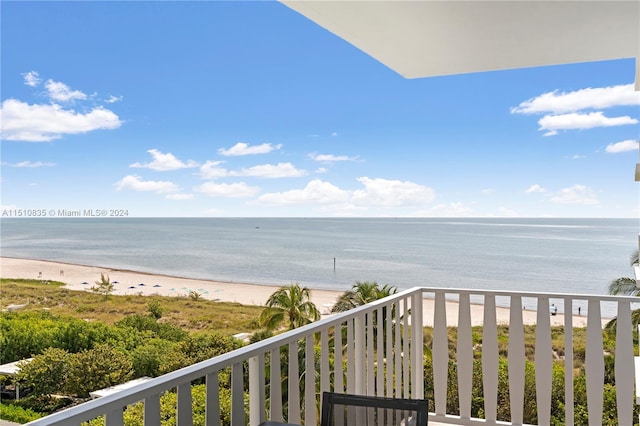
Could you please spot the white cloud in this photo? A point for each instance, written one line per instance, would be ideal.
(572, 121)
(29, 164)
(230, 190)
(384, 192)
(31, 78)
(41, 123)
(212, 170)
(326, 158)
(487, 191)
(624, 146)
(576, 194)
(535, 188)
(135, 183)
(164, 162)
(376, 192)
(112, 99)
(179, 196)
(321, 170)
(242, 148)
(589, 98)
(578, 157)
(279, 170)
(62, 93)
(316, 191)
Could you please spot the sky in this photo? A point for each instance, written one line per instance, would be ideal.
(248, 109)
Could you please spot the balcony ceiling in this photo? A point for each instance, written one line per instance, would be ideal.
(431, 38)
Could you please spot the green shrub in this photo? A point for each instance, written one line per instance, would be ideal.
(147, 323)
(148, 359)
(46, 373)
(14, 413)
(97, 368)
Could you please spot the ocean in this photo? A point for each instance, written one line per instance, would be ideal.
(546, 255)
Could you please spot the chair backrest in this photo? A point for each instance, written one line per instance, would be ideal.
(339, 409)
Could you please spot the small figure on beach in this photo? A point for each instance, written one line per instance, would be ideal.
(39, 274)
(62, 272)
(554, 309)
(579, 310)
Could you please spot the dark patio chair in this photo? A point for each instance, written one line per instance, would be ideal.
(340, 409)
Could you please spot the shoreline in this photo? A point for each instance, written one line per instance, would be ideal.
(128, 282)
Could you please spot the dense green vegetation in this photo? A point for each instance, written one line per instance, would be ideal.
(83, 341)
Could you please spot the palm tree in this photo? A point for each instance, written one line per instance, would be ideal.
(361, 293)
(626, 286)
(290, 304)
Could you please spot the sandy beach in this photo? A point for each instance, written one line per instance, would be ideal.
(82, 278)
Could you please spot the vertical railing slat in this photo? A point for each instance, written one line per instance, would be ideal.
(293, 384)
(490, 358)
(391, 314)
(544, 362)
(256, 389)
(152, 410)
(275, 386)
(405, 348)
(568, 361)
(115, 418)
(440, 352)
(397, 352)
(624, 364)
(417, 347)
(338, 373)
(310, 417)
(351, 368)
(594, 363)
(185, 409)
(358, 344)
(371, 384)
(237, 395)
(212, 405)
(516, 360)
(325, 371)
(380, 351)
(465, 356)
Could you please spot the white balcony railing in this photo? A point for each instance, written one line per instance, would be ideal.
(377, 350)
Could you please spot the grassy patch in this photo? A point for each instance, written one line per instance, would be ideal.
(190, 315)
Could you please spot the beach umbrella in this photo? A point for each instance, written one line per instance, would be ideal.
(132, 286)
(84, 282)
(141, 284)
(115, 282)
(157, 285)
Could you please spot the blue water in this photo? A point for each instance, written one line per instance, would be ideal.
(555, 255)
